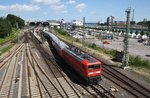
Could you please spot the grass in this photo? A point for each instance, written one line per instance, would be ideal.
(136, 61)
(110, 52)
(148, 80)
(12, 36)
(6, 48)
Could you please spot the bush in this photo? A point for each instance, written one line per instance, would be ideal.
(60, 31)
(13, 19)
(77, 40)
(6, 48)
(5, 28)
(138, 62)
(111, 52)
(93, 46)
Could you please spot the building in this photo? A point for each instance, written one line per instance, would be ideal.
(120, 22)
(54, 23)
(110, 20)
(77, 23)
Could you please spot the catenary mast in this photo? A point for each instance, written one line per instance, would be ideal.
(126, 39)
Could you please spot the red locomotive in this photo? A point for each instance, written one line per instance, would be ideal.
(87, 66)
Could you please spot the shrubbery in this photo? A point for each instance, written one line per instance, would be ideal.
(14, 20)
(77, 40)
(110, 52)
(60, 31)
(138, 62)
(6, 24)
(5, 27)
(133, 60)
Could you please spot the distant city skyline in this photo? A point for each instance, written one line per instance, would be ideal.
(92, 10)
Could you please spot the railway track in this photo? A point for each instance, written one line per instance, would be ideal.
(4, 60)
(125, 82)
(8, 70)
(37, 88)
(35, 82)
(46, 82)
(60, 79)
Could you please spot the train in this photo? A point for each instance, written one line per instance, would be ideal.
(88, 67)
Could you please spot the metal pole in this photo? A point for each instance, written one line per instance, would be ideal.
(17, 32)
(126, 41)
(83, 38)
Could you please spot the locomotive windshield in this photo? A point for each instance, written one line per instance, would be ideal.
(92, 67)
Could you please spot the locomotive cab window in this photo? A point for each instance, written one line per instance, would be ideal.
(92, 67)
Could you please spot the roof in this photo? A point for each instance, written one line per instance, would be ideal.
(55, 39)
(79, 54)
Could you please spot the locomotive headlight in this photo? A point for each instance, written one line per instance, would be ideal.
(98, 72)
(90, 73)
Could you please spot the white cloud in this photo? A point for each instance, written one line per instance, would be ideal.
(81, 7)
(59, 8)
(71, 2)
(47, 2)
(56, 5)
(20, 8)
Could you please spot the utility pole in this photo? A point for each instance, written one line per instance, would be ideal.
(17, 32)
(126, 40)
(83, 38)
(132, 16)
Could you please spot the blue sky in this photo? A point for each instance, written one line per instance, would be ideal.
(92, 10)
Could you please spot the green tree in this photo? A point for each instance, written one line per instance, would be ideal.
(123, 31)
(5, 27)
(142, 32)
(148, 33)
(14, 20)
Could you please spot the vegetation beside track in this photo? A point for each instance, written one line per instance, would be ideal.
(8, 42)
(7, 48)
(136, 61)
(6, 39)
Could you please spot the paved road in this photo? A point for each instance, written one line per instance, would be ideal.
(135, 48)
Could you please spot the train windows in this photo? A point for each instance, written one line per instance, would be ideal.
(92, 67)
(97, 66)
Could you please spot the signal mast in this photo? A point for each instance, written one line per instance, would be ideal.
(126, 40)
